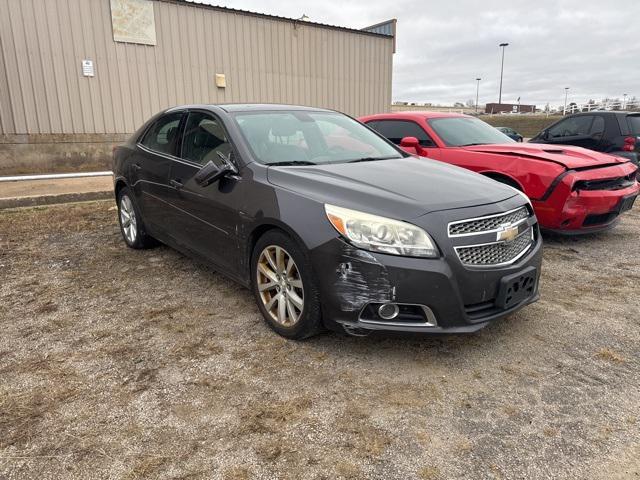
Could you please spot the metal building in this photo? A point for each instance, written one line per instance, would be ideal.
(89, 72)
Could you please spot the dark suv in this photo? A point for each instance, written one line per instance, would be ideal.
(617, 133)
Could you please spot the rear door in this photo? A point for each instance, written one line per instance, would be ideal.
(205, 219)
(151, 166)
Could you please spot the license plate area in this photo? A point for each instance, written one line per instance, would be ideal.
(626, 203)
(516, 288)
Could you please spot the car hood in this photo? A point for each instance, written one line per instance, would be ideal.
(403, 189)
(572, 158)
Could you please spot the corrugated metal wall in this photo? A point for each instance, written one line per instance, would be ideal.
(42, 44)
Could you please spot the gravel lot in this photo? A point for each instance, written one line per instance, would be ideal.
(117, 363)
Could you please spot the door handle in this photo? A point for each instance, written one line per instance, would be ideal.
(176, 184)
(137, 166)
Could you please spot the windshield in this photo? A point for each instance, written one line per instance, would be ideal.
(464, 131)
(310, 138)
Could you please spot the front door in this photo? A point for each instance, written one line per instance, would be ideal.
(205, 219)
(396, 130)
(584, 131)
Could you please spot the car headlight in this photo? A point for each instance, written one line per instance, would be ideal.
(380, 234)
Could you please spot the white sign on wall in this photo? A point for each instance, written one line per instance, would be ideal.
(133, 21)
(87, 68)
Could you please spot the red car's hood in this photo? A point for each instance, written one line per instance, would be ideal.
(567, 156)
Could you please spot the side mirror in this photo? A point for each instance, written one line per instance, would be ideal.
(211, 172)
(409, 142)
(412, 142)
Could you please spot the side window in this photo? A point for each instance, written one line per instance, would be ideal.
(162, 135)
(572, 126)
(396, 130)
(204, 137)
(597, 128)
(634, 124)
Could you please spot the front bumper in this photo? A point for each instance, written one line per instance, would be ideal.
(569, 210)
(461, 298)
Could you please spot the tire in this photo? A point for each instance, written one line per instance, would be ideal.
(130, 220)
(286, 287)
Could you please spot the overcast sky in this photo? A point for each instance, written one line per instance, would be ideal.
(442, 46)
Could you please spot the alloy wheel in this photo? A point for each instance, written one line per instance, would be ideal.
(280, 285)
(128, 219)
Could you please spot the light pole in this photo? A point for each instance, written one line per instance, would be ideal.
(477, 92)
(501, 72)
(624, 101)
(566, 92)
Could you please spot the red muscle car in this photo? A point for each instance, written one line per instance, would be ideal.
(572, 190)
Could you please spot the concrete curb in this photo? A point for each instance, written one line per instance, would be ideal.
(53, 199)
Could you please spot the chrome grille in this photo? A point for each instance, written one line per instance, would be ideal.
(487, 224)
(498, 253)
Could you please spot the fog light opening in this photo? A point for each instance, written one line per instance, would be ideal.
(388, 311)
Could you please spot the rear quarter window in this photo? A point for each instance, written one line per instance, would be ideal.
(161, 136)
(634, 124)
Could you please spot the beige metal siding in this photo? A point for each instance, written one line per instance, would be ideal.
(42, 44)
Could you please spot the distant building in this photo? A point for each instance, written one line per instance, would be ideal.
(509, 108)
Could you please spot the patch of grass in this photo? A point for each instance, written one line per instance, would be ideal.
(48, 307)
(526, 125)
(348, 470)
(510, 410)
(269, 417)
(146, 467)
(237, 473)
(609, 355)
(407, 396)
(21, 414)
(363, 437)
(463, 446)
(429, 473)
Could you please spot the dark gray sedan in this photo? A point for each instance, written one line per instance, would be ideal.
(328, 223)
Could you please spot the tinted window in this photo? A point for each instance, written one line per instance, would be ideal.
(396, 130)
(572, 126)
(461, 131)
(162, 135)
(634, 124)
(597, 128)
(204, 138)
(313, 137)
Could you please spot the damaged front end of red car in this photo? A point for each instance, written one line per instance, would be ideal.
(588, 199)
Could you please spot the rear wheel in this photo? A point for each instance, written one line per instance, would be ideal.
(131, 225)
(284, 288)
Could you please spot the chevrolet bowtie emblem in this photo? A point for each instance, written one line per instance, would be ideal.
(507, 232)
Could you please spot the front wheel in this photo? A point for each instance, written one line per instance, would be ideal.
(284, 287)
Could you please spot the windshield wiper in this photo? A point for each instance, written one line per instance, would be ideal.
(372, 159)
(290, 163)
(472, 144)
